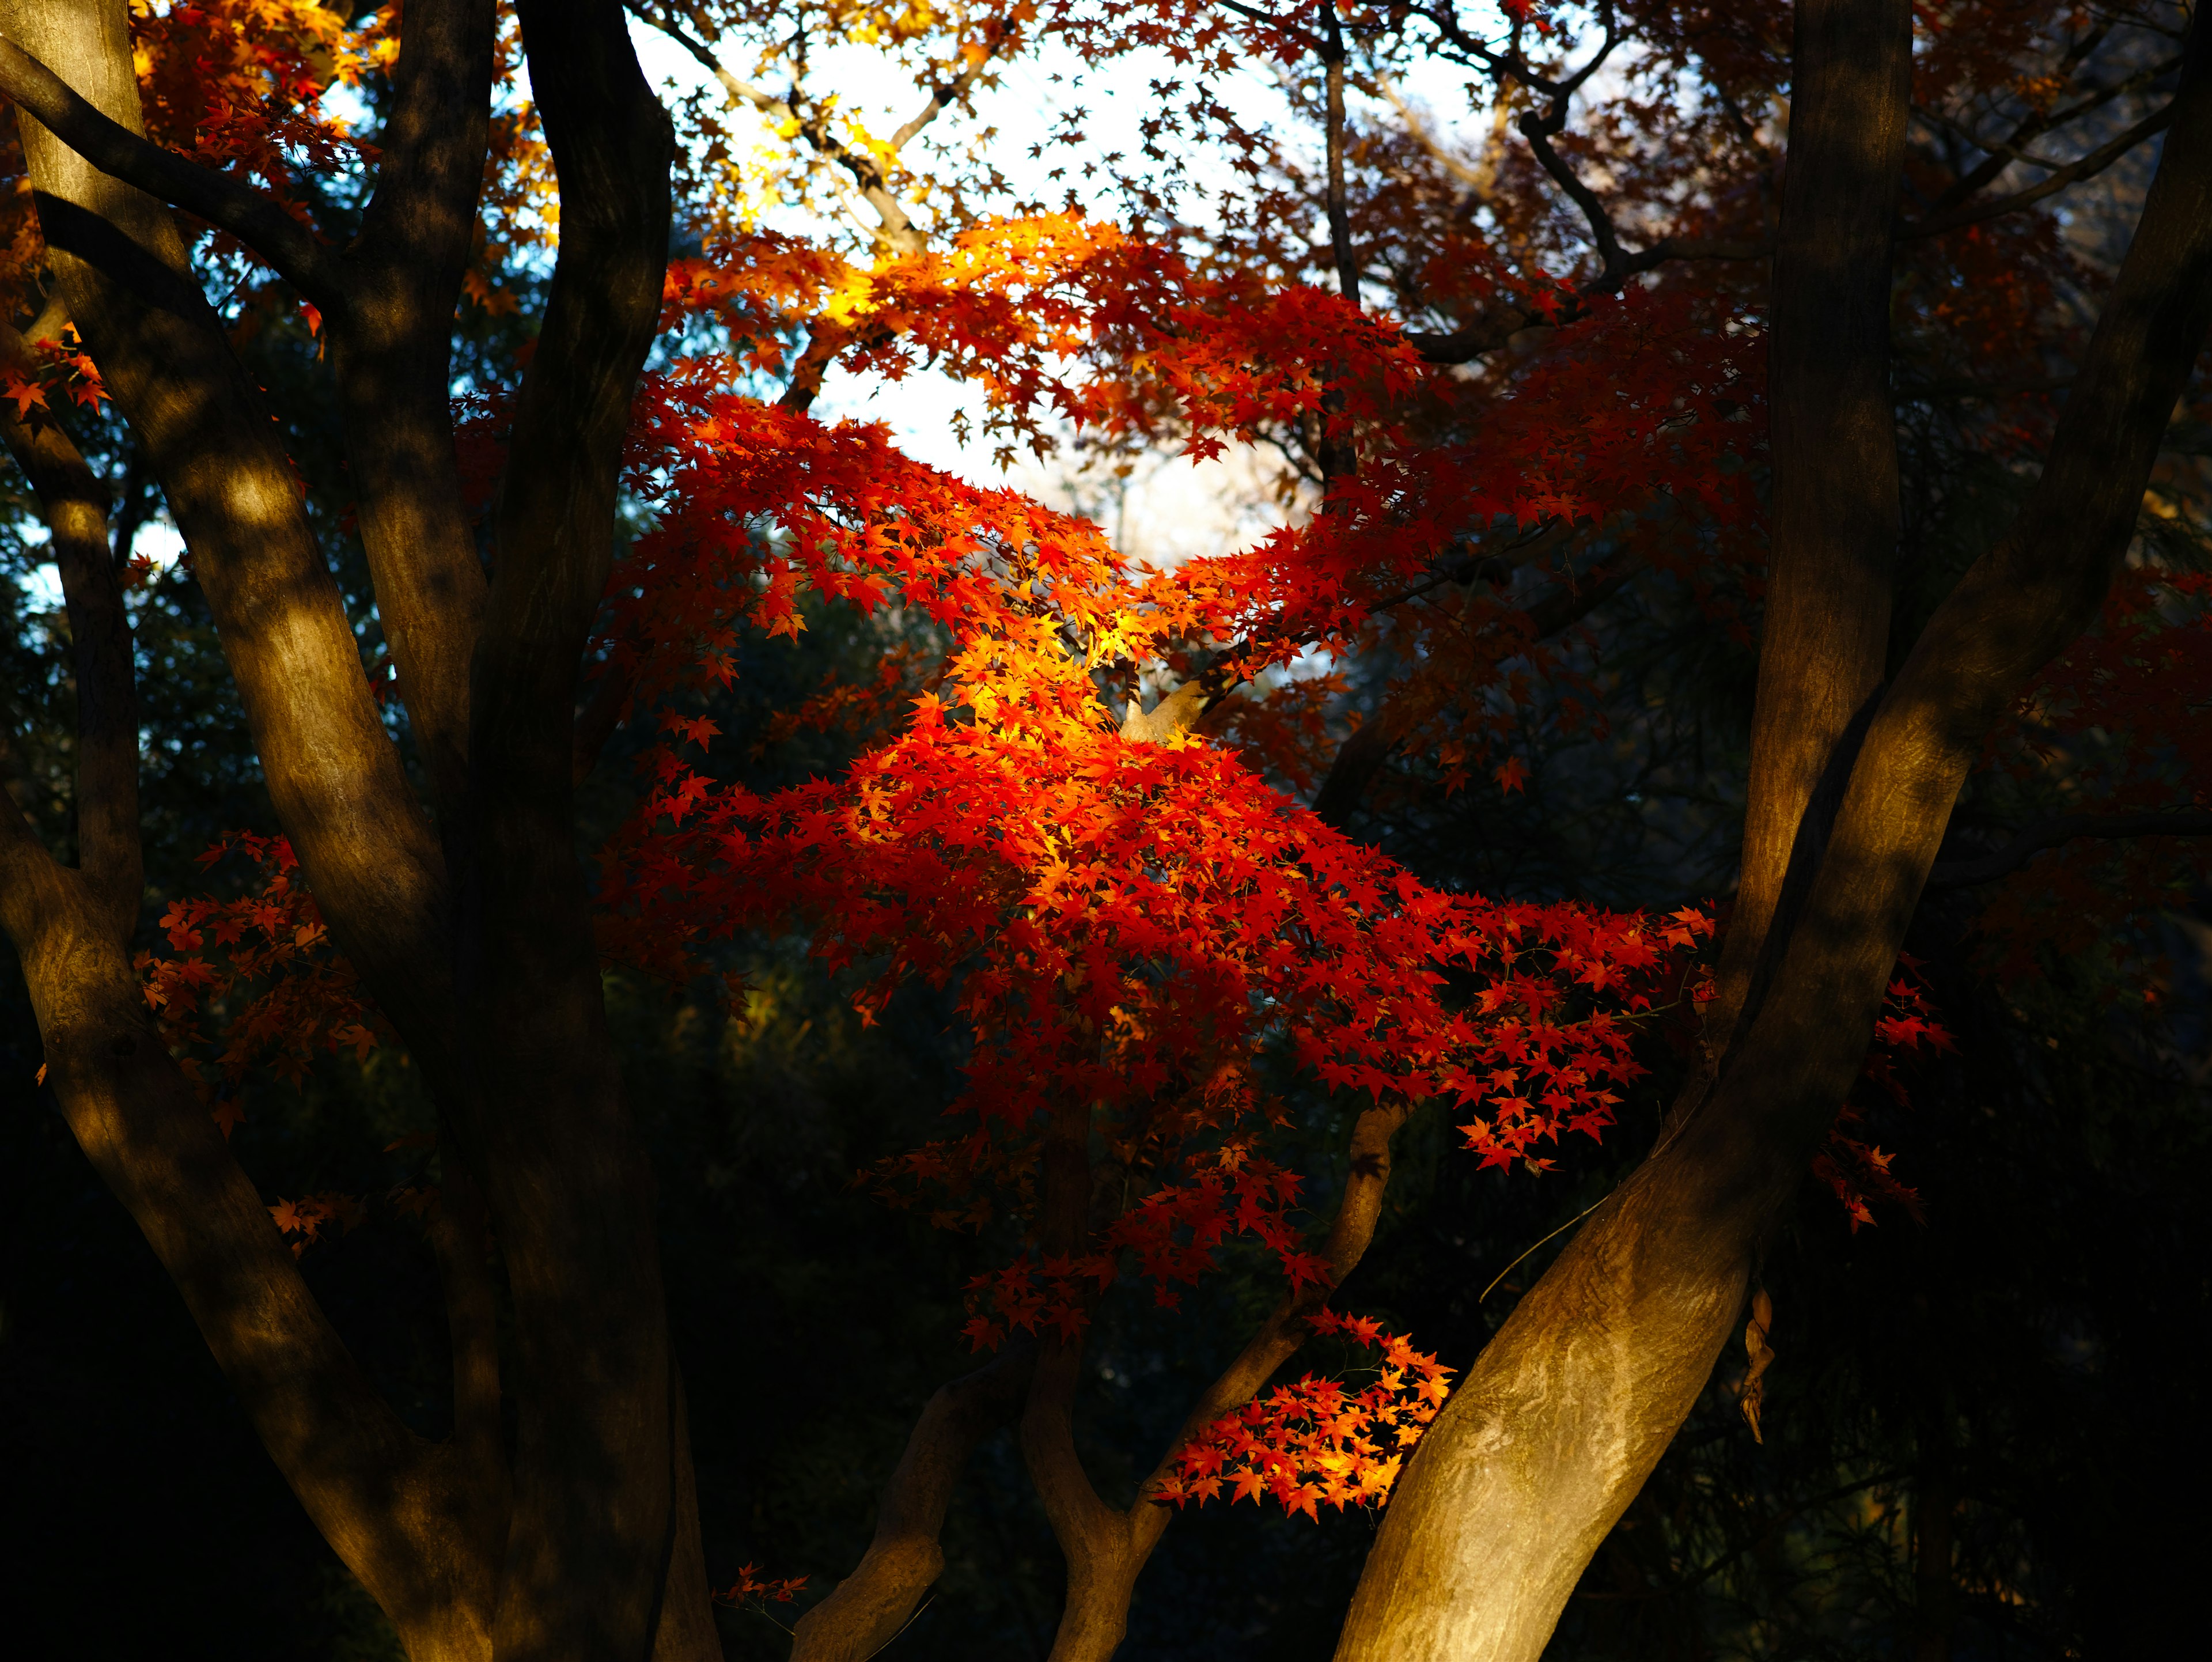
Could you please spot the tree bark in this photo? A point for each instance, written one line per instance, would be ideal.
(397, 1510)
(1564, 1415)
(601, 1535)
(391, 341)
(74, 505)
(1833, 440)
(333, 773)
(870, 1607)
(590, 1549)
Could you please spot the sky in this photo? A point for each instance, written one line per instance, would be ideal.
(1170, 509)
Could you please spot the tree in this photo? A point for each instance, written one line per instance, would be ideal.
(1155, 939)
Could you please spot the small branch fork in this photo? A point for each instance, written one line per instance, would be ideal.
(894, 230)
(894, 233)
(1617, 264)
(1954, 209)
(1106, 1548)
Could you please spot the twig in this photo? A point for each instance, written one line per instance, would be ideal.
(1562, 1229)
(904, 1626)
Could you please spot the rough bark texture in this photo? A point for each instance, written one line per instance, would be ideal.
(74, 505)
(597, 1508)
(332, 772)
(397, 1510)
(1561, 1420)
(1833, 441)
(1549, 1437)
(391, 350)
(587, 1547)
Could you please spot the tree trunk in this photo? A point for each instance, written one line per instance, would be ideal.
(1570, 1407)
(477, 943)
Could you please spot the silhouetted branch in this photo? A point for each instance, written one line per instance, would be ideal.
(2050, 833)
(255, 220)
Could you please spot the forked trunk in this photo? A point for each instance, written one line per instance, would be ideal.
(1548, 1441)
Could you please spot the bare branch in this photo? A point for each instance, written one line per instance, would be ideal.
(1479, 180)
(1540, 131)
(869, 1607)
(1311, 42)
(1093, 1537)
(1999, 152)
(2032, 840)
(1339, 216)
(896, 229)
(940, 98)
(2072, 173)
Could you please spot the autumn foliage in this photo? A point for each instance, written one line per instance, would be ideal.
(1155, 915)
(1082, 797)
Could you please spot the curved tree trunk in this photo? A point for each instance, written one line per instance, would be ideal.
(1563, 1417)
(1551, 1435)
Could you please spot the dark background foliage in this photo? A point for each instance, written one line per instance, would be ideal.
(2017, 1363)
(2023, 1351)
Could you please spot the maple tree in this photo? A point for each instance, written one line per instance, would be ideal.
(1103, 807)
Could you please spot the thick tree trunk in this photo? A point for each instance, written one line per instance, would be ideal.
(589, 1548)
(1561, 1420)
(1833, 437)
(391, 353)
(406, 1516)
(1551, 1435)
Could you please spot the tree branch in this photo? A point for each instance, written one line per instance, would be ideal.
(895, 228)
(871, 1606)
(391, 353)
(333, 773)
(1367, 751)
(289, 248)
(1999, 153)
(74, 507)
(1311, 42)
(1339, 216)
(386, 1498)
(1350, 1233)
(1540, 131)
(2032, 840)
(2073, 173)
(1486, 334)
